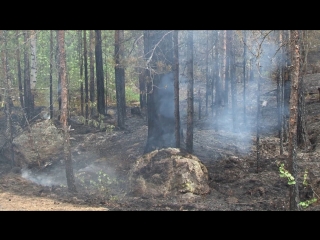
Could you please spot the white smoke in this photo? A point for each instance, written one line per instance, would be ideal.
(41, 178)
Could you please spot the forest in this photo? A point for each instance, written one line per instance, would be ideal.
(159, 120)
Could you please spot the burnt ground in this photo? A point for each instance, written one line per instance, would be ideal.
(102, 160)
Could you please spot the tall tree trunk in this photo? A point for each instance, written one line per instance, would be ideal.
(160, 99)
(8, 100)
(81, 71)
(207, 72)
(120, 78)
(101, 101)
(50, 77)
(91, 56)
(244, 76)
(176, 87)
(302, 133)
(33, 48)
(86, 87)
(292, 140)
(143, 89)
(19, 70)
(26, 82)
(59, 75)
(258, 117)
(64, 113)
(217, 80)
(227, 80)
(286, 85)
(190, 110)
(233, 82)
(223, 50)
(280, 102)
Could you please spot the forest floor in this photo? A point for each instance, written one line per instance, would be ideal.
(102, 160)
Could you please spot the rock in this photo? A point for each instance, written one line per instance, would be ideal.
(40, 146)
(168, 171)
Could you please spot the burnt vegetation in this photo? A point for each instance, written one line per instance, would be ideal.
(160, 120)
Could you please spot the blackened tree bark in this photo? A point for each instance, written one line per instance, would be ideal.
(190, 108)
(91, 66)
(280, 102)
(292, 140)
(302, 133)
(143, 89)
(258, 117)
(119, 78)
(286, 83)
(176, 88)
(81, 71)
(160, 89)
(59, 75)
(101, 102)
(64, 113)
(86, 85)
(8, 100)
(50, 76)
(19, 70)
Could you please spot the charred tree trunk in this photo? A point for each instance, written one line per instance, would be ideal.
(190, 110)
(59, 75)
(86, 85)
(50, 76)
(143, 89)
(101, 101)
(160, 98)
(120, 78)
(292, 140)
(302, 133)
(258, 118)
(7, 95)
(286, 85)
(176, 88)
(64, 113)
(19, 71)
(91, 66)
(81, 71)
(207, 72)
(280, 102)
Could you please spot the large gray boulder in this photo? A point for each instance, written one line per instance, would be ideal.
(39, 145)
(168, 171)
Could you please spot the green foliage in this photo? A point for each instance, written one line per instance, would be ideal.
(132, 95)
(307, 203)
(110, 128)
(291, 181)
(285, 173)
